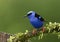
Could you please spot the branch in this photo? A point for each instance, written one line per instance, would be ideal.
(53, 28)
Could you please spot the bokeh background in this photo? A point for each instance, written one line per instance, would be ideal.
(12, 15)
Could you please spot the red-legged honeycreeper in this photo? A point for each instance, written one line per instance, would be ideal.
(36, 20)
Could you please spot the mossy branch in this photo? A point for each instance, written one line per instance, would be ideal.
(53, 28)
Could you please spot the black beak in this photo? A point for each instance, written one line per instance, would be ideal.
(25, 15)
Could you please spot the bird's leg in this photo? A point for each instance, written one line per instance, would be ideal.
(43, 29)
(34, 31)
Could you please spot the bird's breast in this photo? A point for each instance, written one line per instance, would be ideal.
(36, 23)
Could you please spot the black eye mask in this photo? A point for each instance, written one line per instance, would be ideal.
(29, 14)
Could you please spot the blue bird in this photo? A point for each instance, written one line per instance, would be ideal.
(36, 20)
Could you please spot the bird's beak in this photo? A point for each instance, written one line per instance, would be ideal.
(25, 15)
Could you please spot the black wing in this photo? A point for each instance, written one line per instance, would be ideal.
(37, 16)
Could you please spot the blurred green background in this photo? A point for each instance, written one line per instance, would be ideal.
(12, 15)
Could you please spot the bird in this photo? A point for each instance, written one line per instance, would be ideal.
(36, 20)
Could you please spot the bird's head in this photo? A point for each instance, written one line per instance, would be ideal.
(30, 14)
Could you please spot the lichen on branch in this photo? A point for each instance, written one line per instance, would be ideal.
(53, 28)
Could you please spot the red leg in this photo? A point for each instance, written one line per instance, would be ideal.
(34, 31)
(43, 29)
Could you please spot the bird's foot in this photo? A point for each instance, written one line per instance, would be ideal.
(34, 31)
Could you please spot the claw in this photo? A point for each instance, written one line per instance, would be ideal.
(34, 31)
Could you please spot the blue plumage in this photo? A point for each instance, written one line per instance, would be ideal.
(36, 20)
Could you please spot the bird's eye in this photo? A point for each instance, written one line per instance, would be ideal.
(29, 14)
